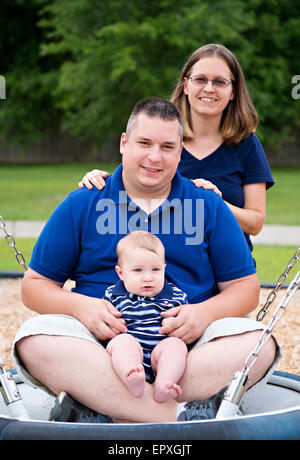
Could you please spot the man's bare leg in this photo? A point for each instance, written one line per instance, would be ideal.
(210, 366)
(84, 371)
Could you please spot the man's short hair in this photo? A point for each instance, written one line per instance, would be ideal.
(155, 107)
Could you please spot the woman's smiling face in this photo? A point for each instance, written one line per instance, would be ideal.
(209, 99)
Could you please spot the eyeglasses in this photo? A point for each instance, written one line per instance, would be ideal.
(220, 83)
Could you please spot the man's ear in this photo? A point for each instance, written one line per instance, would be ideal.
(119, 271)
(123, 142)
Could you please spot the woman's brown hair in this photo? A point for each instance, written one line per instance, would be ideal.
(239, 118)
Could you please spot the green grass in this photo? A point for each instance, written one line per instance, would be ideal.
(32, 192)
(271, 260)
(7, 259)
(283, 199)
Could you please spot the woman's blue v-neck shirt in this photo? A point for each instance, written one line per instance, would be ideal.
(230, 168)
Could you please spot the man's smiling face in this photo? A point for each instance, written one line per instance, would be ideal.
(151, 153)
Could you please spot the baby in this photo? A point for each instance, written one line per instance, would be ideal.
(141, 295)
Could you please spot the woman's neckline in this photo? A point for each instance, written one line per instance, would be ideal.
(206, 156)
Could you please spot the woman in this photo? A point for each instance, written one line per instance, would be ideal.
(220, 146)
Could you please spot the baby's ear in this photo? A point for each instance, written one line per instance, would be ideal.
(119, 271)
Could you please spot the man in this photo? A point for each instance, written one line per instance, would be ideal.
(206, 256)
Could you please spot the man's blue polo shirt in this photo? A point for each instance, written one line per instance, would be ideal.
(203, 241)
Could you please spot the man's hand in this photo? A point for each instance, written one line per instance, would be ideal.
(101, 318)
(187, 322)
(237, 298)
(46, 296)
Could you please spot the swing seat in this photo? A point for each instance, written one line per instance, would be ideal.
(274, 415)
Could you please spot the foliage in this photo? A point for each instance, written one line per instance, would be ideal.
(28, 109)
(84, 64)
(275, 40)
(129, 50)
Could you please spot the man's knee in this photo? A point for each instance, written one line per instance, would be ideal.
(268, 352)
(34, 347)
(264, 359)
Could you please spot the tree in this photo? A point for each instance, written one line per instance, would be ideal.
(27, 110)
(116, 52)
(274, 60)
(83, 64)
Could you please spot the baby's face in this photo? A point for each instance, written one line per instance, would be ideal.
(142, 271)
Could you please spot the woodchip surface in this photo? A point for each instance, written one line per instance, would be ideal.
(13, 314)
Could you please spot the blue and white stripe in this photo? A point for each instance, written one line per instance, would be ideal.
(143, 315)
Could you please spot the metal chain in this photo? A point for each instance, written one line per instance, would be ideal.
(272, 295)
(12, 244)
(292, 288)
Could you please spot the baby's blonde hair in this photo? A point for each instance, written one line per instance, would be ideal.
(139, 239)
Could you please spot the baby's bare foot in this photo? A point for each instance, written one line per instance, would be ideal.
(135, 380)
(166, 390)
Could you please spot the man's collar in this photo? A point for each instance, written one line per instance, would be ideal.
(117, 186)
(119, 196)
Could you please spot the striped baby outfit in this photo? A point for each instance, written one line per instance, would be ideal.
(142, 315)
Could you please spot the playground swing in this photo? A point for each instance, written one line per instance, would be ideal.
(227, 424)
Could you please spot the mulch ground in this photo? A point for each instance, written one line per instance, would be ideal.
(13, 314)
